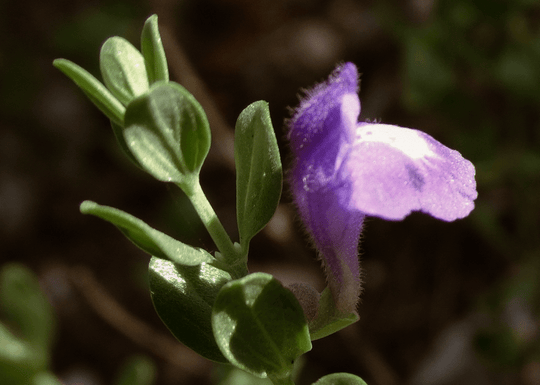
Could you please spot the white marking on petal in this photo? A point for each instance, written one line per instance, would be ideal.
(406, 140)
(350, 108)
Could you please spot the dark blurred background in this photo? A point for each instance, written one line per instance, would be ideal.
(444, 303)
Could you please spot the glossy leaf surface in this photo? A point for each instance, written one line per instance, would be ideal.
(148, 239)
(340, 379)
(183, 297)
(260, 326)
(258, 170)
(167, 131)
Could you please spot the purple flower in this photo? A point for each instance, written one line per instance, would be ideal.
(345, 170)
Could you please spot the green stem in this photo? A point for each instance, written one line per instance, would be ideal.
(232, 256)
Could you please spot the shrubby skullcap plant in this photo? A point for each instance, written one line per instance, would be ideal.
(345, 170)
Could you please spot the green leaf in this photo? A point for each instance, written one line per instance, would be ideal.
(25, 305)
(19, 360)
(45, 378)
(260, 326)
(148, 239)
(153, 52)
(123, 69)
(340, 379)
(138, 370)
(12, 348)
(94, 90)
(328, 319)
(183, 297)
(25, 344)
(258, 170)
(118, 132)
(230, 375)
(168, 133)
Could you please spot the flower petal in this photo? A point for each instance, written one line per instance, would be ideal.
(344, 170)
(335, 230)
(322, 130)
(396, 170)
(321, 111)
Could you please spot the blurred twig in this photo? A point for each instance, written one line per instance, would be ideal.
(133, 328)
(222, 150)
(372, 361)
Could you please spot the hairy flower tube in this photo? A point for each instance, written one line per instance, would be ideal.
(345, 170)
